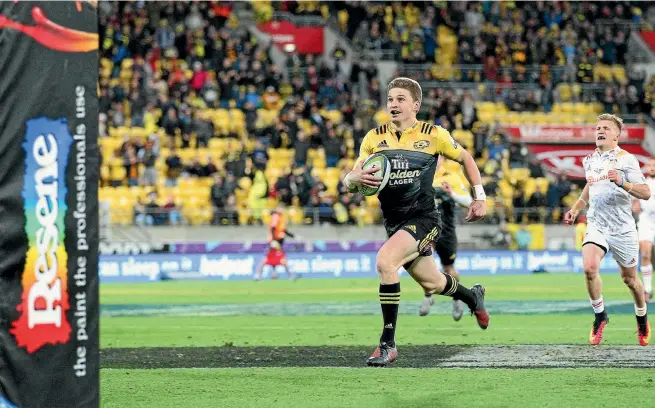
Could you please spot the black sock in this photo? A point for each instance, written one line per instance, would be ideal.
(459, 292)
(389, 300)
(642, 319)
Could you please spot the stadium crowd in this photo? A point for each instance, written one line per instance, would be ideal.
(203, 127)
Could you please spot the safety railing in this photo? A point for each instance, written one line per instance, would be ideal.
(307, 216)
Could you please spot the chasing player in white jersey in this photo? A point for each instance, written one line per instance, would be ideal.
(646, 229)
(613, 179)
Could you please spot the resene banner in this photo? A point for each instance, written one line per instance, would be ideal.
(49, 204)
(567, 159)
(570, 133)
(156, 267)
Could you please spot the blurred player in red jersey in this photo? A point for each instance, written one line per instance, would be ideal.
(275, 256)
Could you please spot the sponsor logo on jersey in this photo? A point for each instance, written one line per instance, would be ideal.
(454, 142)
(401, 174)
(382, 144)
(421, 144)
(592, 180)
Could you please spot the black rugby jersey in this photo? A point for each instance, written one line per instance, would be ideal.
(413, 155)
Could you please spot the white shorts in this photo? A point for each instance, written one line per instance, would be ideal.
(624, 247)
(646, 228)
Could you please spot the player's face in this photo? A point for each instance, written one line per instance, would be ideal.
(401, 106)
(650, 168)
(607, 134)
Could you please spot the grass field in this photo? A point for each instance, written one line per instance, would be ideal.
(304, 343)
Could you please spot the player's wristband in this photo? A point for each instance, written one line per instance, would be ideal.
(349, 185)
(478, 192)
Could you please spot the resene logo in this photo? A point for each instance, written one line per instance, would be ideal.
(44, 301)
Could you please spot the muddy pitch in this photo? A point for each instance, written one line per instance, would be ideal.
(428, 356)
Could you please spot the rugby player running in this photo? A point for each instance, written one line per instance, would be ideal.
(447, 200)
(411, 218)
(646, 230)
(613, 180)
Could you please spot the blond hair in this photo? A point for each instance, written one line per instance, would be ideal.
(408, 84)
(613, 118)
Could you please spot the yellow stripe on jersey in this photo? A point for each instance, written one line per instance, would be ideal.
(421, 137)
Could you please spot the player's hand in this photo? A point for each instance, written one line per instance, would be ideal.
(615, 177)
(636, 206)
(446, 188)
(477, 210)
(363, 177)
(570, 216)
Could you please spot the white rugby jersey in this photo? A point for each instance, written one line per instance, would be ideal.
(610, 206)
(648, 206)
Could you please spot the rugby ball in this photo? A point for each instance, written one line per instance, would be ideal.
(380, 162)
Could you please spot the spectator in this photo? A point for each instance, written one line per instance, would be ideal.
(518, 202)
(259, 156)
(172, 210)
(174, 168)
(523, 238)
(334, 148)
(302, 146)
(195, 169)
(271, 99)
(131, 164)
(503, 238)
(536, 206)
(204, 130)
(148, 156)
(141, 217)
(257, 196)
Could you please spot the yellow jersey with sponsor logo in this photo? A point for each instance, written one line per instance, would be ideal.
(413, 154)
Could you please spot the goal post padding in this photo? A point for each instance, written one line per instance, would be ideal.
(49, 167)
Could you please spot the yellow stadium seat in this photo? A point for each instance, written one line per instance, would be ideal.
(485, 106)
(565, 92)
(519, 174)
(602, 72)
(541, 184)
(528, 117)
(245, 183)
(529, 187)
(244, 216)
(513, 118)
(295, 215)
(618, 71)
(541, 118)
(486, 116)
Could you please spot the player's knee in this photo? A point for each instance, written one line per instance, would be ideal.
(591, 270)
(386, 265)
(449, 270)
(629, 279)
(645, 258)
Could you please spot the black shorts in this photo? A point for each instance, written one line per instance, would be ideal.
(446, 248)
(424, 228)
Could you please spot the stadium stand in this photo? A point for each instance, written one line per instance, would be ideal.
(198, 125)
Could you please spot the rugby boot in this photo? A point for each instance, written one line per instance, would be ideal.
(480, 312)
(596, 335)
(428, 301)
(382, 356)
(458, 309)
(643, 333)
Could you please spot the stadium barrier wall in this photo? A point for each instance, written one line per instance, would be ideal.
(479, 234)
(328, 265)
(49, 205)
